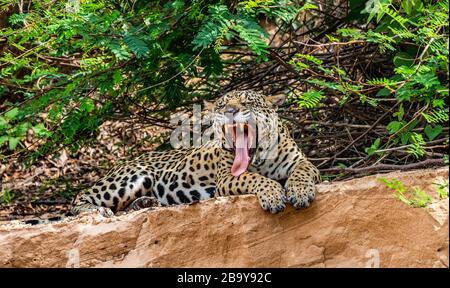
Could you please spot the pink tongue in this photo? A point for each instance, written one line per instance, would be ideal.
(241, 157)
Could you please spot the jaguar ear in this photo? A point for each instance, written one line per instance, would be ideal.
(208, 105)
(276, 100)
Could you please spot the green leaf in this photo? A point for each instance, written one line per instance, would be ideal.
(436, 116)
(442, 189)
(384, 92)
(219, 19)
(404, 137)
(3, 139)
(411, 6)
(309, 58)
(428, 80)
(420, 198)
(119, 50)
(250, 31)
(394, 126)
(20, 130)
(438, 103)
(417, 145)
(4, 124)
(40, 130)
(406, 92)
(177, 5)
(87, 105)
(400, 113)
(11, 114)
(373, 148)
(13, 141)
(395, 184)
(432, 132)
(137, 46)
(350, 32)
(117, 76)
(310, 99)
(341, 165)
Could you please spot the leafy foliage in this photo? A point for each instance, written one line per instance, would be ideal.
(68, 66)
(6, 196)
(65, 69)
(415, 197)
(436, 116)
(373, 148)
(310, 99)
(442, 189)
(415, 35)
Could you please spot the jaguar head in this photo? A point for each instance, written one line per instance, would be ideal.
(246, 122)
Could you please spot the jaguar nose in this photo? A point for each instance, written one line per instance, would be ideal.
(232, 110)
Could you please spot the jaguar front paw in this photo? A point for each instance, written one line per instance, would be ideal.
(301, 195)
(272, 199)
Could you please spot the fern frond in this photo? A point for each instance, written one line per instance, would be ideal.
(220, 21)
(310, 99)
(252, 33)
(309, 58)
(383, 41)
(397, 17)
(350, 32)
(136, 45)
(18, 18)
(381, 81)
(219, 18)
(287, 13)
(417, 145)
(436, 116)
(402, 33)
(440, 46)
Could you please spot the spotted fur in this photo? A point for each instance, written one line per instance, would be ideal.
(184, 176)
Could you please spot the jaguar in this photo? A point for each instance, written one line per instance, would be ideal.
(251, 152)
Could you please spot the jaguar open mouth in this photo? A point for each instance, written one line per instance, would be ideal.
(241, 139)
